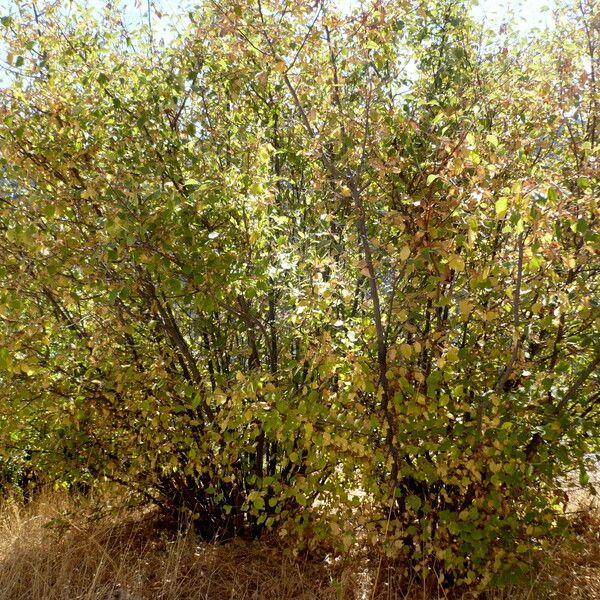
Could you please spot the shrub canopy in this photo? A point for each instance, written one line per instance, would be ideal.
(331, 274)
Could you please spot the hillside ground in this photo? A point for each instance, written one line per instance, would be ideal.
(59, 547)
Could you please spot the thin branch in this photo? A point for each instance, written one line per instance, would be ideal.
(578, 383)
(516, 305)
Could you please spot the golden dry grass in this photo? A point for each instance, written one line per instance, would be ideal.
(58, 548)
(52, 550)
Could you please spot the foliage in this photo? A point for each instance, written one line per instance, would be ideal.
(293, 259)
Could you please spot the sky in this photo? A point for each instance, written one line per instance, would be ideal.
(529, 13)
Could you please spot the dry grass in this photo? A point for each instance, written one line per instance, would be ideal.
(52, 549)
(573, 570)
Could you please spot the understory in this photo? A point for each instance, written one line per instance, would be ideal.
(65, 547)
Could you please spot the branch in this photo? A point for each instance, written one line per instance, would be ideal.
(516, 305)
(578, 383)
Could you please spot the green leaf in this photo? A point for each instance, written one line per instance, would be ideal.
(413, 502)
(4, 354)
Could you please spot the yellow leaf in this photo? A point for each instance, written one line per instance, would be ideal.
(280, 66)
(465, 306)
(346, 191)
(26, 369)
(501, 207)
(452, 354)
(404, 253)
(406, 350)
(456, 262)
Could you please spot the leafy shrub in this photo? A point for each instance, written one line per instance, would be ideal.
(267, 267)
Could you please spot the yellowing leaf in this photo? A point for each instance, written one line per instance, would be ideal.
(404, 253)
(452, 354)
(456, 262)
(406, 350)
(465, 307)
(88, 193)
(501, 206)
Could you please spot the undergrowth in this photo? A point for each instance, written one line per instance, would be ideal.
(63, 547)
